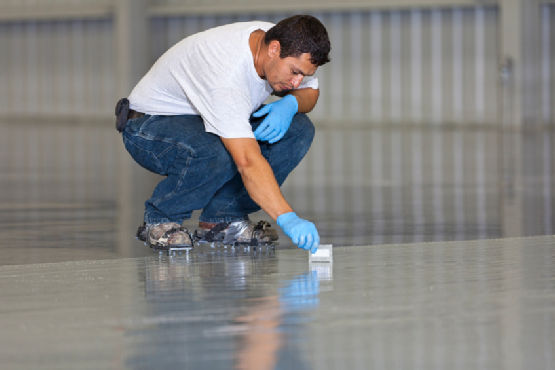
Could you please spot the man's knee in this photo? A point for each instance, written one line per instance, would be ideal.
(303, 129)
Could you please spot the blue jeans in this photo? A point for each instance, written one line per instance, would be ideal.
(200, 172)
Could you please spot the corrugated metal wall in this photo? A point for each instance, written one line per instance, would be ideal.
(52, 3)
(428, 66)
(56, 68)
(432, 66)
(421, 66)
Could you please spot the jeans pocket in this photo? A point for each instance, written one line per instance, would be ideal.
(134, 125)
(151, 127)
(143, 156)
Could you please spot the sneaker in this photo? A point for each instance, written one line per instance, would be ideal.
(163, 236)
(141, 233)
(243, 232)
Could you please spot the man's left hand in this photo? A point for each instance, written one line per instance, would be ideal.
(278, 119)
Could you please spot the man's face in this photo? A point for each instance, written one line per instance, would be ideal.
(288, 73)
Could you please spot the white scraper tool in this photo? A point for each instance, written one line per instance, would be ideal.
(324, 254)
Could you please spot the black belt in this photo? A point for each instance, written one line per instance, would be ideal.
(134, 114)
(123, 113)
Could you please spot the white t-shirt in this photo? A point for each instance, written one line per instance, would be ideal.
(210, 74)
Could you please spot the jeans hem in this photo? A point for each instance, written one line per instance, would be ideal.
(161, 221)
(217, 220)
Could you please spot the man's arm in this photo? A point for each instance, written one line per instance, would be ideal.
(257, 175)
(306, 98)
(261, 184)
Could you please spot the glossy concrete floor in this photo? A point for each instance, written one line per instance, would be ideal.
(443, 259)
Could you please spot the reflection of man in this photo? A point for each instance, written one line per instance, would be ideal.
(195, 119)
(262, 337)
(272, 332)
(222, 312)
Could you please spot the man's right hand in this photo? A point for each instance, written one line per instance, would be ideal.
(261, 184)
(302, 232)
(279, 116)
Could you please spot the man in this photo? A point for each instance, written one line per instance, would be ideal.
(195, 118)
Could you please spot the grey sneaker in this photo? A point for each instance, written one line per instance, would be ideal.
(163, 236)
(243, 232)
(141, 233)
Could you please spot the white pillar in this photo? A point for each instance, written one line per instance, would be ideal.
(132, 44)
(132, 60)
(520, 38)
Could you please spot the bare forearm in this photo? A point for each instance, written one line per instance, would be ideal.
(306, 98)
(260, 182)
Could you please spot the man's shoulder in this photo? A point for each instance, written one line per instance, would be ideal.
(242, 26)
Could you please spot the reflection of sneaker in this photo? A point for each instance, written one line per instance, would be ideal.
(164, 236)
(243, 232)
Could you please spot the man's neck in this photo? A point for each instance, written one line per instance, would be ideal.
(256, 43)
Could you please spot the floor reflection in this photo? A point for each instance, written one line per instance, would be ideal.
(72, 192)
(402, 185)
(230, 310)
(485, 304)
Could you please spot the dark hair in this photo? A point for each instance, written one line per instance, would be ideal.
(301, 34)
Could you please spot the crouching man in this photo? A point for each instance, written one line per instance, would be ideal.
(197, 118)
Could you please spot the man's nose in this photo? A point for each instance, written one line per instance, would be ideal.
(297, 81)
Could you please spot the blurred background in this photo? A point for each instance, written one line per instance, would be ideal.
(435, 120)
(435, 123)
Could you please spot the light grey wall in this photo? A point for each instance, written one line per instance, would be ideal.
(420, 66)
(436, 66)
(189, 7)
(61, 68)
(51, 3)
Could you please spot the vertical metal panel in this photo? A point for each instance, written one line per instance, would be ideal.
(458, 184)
(436, 70)
(468, 90)
(417, 190)
(414, 183)
(491, 65)
(551, 96)
(50, 3)
(4, 62)
(545, 63)
(375, 61)
(437, 188)
(396, 196)
(388, 66)
(336, 80)
(417, 66)
(548, 64)
(376, 174)
(61, 68)
(479, 64)
(548, 183)
(358, 77)
(457, 66)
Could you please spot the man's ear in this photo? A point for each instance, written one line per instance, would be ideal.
(274, 48)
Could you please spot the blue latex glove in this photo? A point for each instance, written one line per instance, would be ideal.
(279, 116)
(302, 232)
